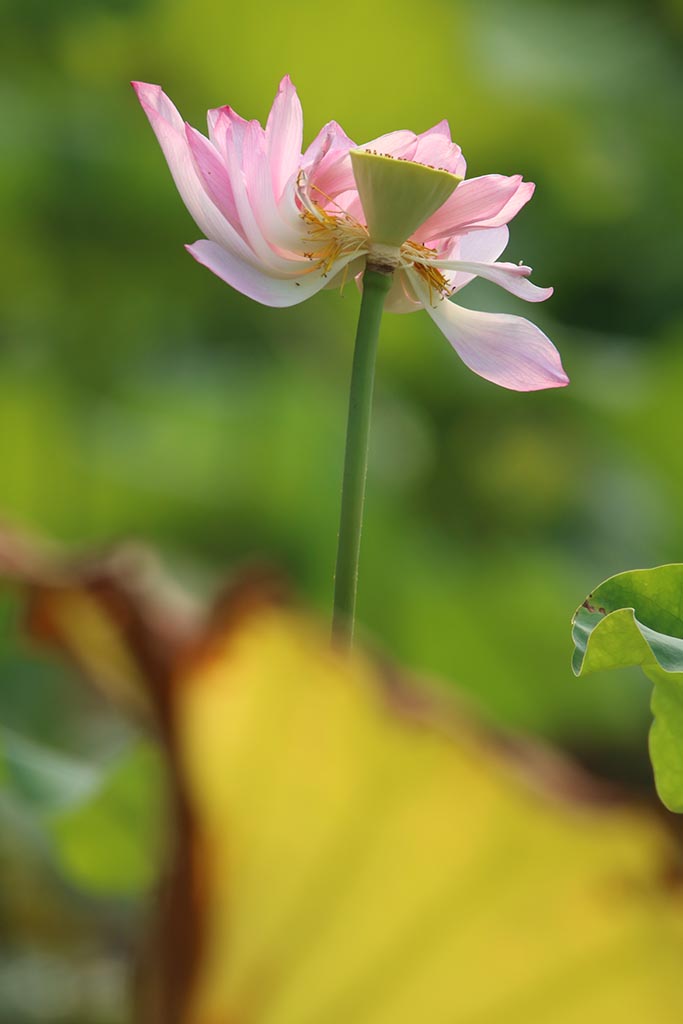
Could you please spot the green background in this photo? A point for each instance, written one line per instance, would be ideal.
(141, 397)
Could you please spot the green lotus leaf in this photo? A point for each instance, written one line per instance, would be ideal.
(636, 618)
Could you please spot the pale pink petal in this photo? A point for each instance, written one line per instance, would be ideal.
(336, 178)
(401, 297)
(227, 126)
(249, 151)
(483, 246)
(478, 246)
(213, 174)
(257, 284)
(512, 207)
(507, 350)
(511, 276)
(169, 129)
(329, 173)
(436, 149)
(476, 202)
(280, 223)
(213, 115)
(244, 147)
(353, 271)
(157, 104)
(350, 203)
(440, 128)
(402, 143)
(284, 134)
(329, 144)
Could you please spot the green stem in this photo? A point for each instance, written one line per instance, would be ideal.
(375, 288)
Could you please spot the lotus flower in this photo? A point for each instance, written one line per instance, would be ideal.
(281, 225)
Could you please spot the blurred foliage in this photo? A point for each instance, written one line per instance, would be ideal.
(141, 396)
(343, 843)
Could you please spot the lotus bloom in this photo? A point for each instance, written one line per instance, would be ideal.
(281, 225)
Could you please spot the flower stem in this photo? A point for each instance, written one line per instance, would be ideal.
(375, 288)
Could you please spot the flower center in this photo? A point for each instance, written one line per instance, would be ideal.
(334, 234)
(398, 195)
(331, 236)
(431, 275)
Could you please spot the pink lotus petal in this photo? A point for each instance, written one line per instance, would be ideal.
(507, 350)
(511, 276)
(330, 143)
(484, 246)
(477, 246)
(401, 143)
(327, 165)
(280, 223)
(476, 202)
(224, 123)
(257, 284)
(436, 149)
(169, 129)
(284, 133)
(512, 207)
(244, 147)
(351, 204)
(334, 179)
(441, 128)
(213, 175)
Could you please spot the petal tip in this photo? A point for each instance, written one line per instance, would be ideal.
(540, 295)
(144, 89)
(557, 378)
(554, 380)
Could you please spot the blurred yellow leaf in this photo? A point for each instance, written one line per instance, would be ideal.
(362, 864)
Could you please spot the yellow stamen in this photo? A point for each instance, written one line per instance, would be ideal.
(430, 274)
(332, 235)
